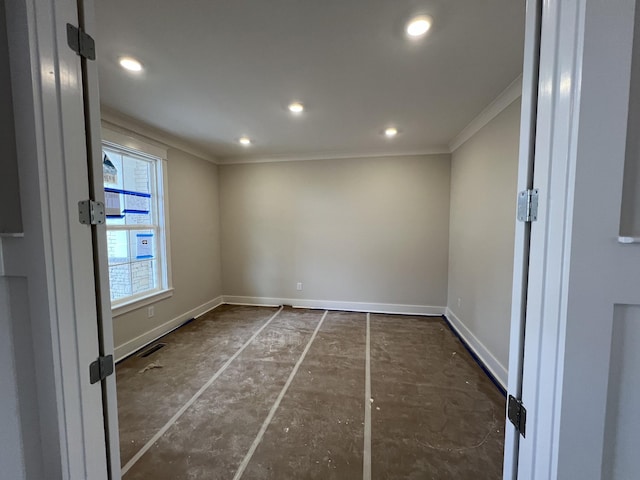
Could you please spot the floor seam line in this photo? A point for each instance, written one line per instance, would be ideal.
(366, 453)
(195, 397)
(276, 405)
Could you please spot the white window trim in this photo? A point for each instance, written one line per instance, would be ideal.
(130, 141)
(138, 303)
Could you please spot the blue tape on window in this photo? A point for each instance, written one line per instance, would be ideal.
(144, 234)
(127, 192)
(144, 256)
(131, 210)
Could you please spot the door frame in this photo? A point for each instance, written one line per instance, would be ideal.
(528, 117)
(91, 94)
(585, 60)
(46, 124)
(546, 295)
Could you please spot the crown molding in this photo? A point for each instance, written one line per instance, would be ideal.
(491, 111)
(328, 156)
(121, 121)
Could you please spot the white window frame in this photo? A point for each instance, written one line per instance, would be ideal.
(128, 143)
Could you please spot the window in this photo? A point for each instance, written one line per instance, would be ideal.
(136, 226)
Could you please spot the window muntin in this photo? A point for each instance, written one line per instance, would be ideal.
(135, 224)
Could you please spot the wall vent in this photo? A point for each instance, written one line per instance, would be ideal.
(152, 349)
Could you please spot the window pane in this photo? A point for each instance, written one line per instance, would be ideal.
(112, 168)
(113, 220)
(143, 276)
(118, 246)
(138, 217)
(142, 244)
(136, 175)
(112, 176)
(135, 262)
(120, 281)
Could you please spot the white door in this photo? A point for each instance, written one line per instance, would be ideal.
(581, 381)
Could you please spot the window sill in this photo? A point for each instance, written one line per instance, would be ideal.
(132, 305)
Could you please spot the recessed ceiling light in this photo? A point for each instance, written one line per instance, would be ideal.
(419, 25)
(246, 141)
(130, 64)
(296, 107)
(391, 132)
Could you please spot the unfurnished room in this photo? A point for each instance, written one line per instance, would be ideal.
(314, 240)
(303, 191)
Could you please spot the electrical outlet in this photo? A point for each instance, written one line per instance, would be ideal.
(459, 302)
(151, 311)
(299, 286)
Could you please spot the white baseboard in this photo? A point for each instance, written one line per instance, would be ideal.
(490, 362)
(482, 352)
(336, 305)
(127, 348)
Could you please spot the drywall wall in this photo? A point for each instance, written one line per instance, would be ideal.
(482, 226)
(372, 230)
(195, 253)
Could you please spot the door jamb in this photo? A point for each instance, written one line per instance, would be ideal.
(526, 155)
(87, 20)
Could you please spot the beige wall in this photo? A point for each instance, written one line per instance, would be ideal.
(352, 230)
(195, 250)
(483, 195)
(410, 230)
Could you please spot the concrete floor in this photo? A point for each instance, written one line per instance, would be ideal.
(263, 393)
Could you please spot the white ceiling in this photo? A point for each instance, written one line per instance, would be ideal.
(217, 70)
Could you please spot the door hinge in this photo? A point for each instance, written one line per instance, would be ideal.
(100, 369)
(528, 205)
(517, 414)
(81, 42)
(91, 212)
